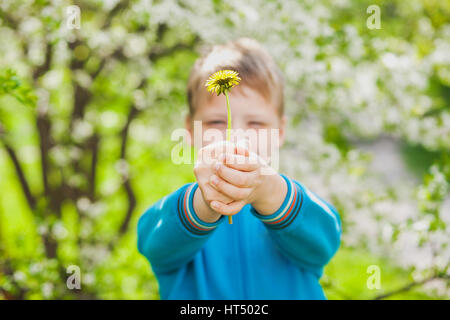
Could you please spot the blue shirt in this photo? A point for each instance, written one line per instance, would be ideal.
(280, 256)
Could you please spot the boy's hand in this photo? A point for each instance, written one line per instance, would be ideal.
(204, 168)
(240, 177)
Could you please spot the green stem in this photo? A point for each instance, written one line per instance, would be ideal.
(230, 219)
(229, 117)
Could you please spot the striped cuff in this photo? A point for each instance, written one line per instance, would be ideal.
(288, 211)
(189, 218)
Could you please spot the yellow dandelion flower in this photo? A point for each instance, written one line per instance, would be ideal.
(222, 81)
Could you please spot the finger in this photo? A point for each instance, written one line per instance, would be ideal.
(228, 189)
(240, 162)
(227, 209)
(235, 177)
(212, 151)
(211, 194)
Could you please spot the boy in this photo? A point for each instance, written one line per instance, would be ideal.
(282, 234)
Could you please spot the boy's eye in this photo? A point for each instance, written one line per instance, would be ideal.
(216, 122)
(256, 124)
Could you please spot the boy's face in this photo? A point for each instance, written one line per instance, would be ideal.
(250, 111)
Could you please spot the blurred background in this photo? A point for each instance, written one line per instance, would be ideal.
(89, 97)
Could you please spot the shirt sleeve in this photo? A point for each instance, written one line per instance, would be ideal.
(170, 233)
(305, 228)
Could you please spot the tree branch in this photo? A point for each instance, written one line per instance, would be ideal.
(43, 126)
(20, 174)
(411, 285)
(127, 185)
(94, 145)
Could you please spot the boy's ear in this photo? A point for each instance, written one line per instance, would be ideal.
(282, 131)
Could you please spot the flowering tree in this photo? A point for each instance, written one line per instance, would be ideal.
(83, 112)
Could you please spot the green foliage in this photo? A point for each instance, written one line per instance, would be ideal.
(11, 84)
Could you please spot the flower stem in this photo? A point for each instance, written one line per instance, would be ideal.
(229, 117)
(230, 219)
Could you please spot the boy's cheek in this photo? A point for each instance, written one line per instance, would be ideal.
(268, 145)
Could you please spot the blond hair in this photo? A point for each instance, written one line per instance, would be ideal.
(246, 56)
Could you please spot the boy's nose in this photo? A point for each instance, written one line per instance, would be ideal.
(239, 124)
